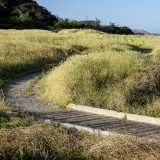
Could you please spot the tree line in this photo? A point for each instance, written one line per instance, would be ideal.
(27, 14)
(92, 24)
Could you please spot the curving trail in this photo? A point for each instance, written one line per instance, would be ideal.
(17, 97)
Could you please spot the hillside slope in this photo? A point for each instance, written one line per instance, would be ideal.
(24, 14)
(118, 73)
(142, 32)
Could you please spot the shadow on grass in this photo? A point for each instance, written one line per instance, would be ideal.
(15, 69)
(140, 49)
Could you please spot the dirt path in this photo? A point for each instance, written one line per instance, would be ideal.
(17, 97)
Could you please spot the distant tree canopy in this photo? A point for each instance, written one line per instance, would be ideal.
(24, 14)
(90, 24)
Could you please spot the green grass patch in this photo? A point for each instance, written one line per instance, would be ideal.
(12, 121)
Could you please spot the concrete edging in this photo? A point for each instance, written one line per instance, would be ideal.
(74, 127)
(110, 113)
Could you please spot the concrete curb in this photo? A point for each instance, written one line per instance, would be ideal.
(110, 113)
(74, 127)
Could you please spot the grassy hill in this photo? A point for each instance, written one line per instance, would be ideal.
(90, 61)
(142, 32)
(116, 72)
(112, 72)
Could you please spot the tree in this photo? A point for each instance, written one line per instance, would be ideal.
(24, 14)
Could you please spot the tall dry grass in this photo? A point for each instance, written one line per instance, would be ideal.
(90, 76)
(115, 74)
(41, 141)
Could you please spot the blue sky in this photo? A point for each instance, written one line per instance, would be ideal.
(136, 14)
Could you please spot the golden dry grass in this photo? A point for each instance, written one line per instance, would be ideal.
(44, 141)
(115, 73)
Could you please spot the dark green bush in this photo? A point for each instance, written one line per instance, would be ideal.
(90, 24)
